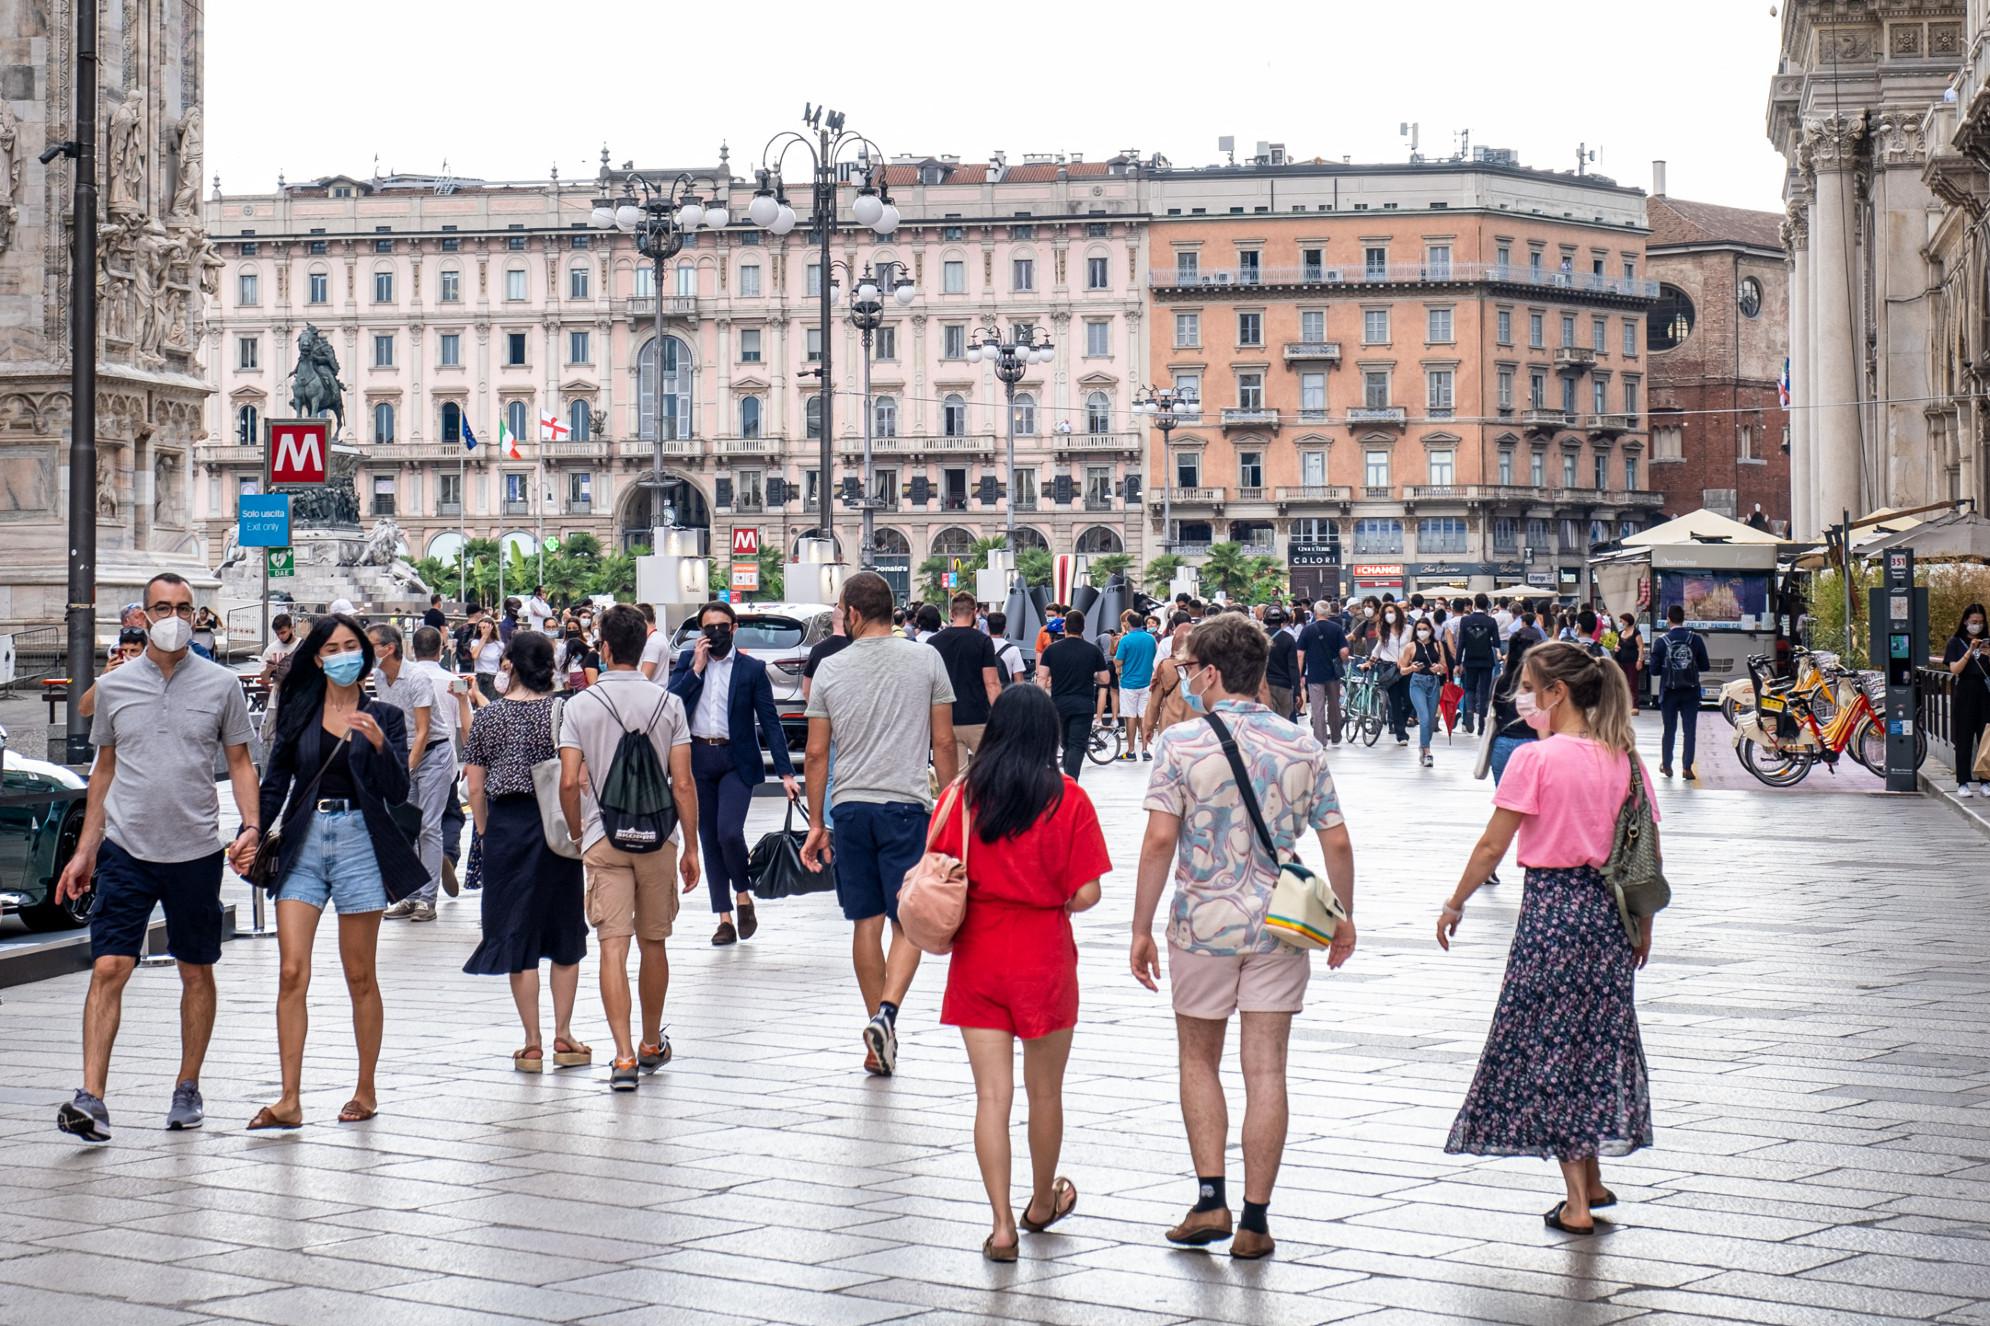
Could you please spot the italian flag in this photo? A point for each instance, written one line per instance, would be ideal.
(507, 443)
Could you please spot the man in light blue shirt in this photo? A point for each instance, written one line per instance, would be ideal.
(1135, 657)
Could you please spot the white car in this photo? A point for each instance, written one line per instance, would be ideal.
(781, 636)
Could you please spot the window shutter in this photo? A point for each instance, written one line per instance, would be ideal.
(920, 490)
(777, 491)
(985, 490)
(1061, 490)
(853, 490)
(723, 495)
(1130, 489)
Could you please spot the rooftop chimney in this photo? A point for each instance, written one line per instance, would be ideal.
(1658, 179)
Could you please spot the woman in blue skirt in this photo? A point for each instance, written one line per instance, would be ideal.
(1563, 1071)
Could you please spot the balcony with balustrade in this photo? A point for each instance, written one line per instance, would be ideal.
(1313, 352)
(1092, 443)
(1574, 359)
(1186, 498)
(674, 306)
(1539, 419)
(1312, 494)
(1609, 425)
(1249, 416)
(596, 449)
(685, 448)
(1378, 416)
(747, 446)
(1576, 286)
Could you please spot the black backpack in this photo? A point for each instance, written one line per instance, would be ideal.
(1682, 670)
(1478, 640)
(638, 812)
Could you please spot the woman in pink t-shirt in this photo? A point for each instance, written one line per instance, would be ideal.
(1563, 1071)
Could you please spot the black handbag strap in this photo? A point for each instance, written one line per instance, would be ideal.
(312, 786)
(1244, 788)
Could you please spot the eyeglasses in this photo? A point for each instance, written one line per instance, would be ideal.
(161, 611)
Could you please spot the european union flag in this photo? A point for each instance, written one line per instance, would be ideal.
(469, 438)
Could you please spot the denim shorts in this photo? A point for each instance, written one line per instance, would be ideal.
(127, 890)
(336, 865)
(875, 844)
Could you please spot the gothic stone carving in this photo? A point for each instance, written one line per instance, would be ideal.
(10, 174)
(126, 160)
(186, 192)
(1899, 139)
(1833, 140)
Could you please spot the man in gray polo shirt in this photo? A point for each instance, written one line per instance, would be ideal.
(151, 835)
(431, 759)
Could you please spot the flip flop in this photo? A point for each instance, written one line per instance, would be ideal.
(1059, 1207)
(1607, 1199)
(995, 1254)
(576, 1055)
(267, 1120)
(354, 1112)
(1553, 1220)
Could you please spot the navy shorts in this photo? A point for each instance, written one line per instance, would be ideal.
(875, 845)
(128, 889)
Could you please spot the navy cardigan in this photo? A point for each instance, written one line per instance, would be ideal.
(379, 777)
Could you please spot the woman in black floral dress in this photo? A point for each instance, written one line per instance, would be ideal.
(1563, 1072)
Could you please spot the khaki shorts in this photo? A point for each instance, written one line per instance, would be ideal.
(1208, 985)
(967, 740)
(631, 894)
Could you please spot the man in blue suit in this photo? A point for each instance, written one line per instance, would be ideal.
(725, 692)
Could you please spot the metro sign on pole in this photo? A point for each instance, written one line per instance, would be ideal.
(297, 451)
(745, 541)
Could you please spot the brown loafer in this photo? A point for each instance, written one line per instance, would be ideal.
(749, 920)
(1201, 1227)
(1249, 1245)
(724, 935)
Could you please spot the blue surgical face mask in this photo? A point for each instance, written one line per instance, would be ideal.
(1195, 702)
(344, 669)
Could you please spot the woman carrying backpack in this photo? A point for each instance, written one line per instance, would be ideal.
(1563, 1071)
(1036, 857)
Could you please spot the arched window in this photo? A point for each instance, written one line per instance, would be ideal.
(514, 419)
(1100, 540)
(885, 420)
(749, 416)
(248, 426)
(676, 390)
(892, 543)
(813, 411)
(383, 422)
(452, 422)
(1030, 538)
(1025, 422)
(953, 415)
(1098, 413)
(580, 421)
(953, 542)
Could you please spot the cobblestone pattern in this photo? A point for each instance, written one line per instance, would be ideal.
(1815, 1018)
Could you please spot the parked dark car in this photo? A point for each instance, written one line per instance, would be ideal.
(41, 818)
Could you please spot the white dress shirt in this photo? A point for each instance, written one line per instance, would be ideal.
(709, 719)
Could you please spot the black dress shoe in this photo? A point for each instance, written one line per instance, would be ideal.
(749, 920)
(724, 935)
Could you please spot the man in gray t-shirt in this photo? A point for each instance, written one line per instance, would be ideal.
(151, 836)
(887, 704)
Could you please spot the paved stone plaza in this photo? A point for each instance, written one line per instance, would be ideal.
(1817, 1017)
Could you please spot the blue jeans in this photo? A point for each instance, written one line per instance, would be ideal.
(336, 864)
(1502, 750)
(1424, 689)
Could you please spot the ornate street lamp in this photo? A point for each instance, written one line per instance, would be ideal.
(1165, 408)
(872, 208)
(1011, 359)
(867, 299)
(659, 220)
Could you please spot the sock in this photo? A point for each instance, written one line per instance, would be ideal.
(1211, 1197)
(888, 1011)
(1254, 1217)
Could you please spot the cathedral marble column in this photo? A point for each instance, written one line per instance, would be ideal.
(1796, 242)
(1837, 456)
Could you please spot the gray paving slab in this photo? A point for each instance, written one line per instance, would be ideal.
(1821, 1091)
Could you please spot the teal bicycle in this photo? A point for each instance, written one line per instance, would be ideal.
(1364, 708)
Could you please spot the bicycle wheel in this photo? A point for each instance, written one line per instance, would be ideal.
(1371, 728)
(1785, 768)
(1104, 745)
(1868, 747)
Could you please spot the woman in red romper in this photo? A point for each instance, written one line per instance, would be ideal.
(1036, 858)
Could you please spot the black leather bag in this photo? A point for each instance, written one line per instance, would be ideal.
(775, 864)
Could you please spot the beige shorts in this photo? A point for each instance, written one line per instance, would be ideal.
(631, 894)
(1208, 985)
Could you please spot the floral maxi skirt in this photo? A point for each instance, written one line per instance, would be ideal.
(1563, 1071)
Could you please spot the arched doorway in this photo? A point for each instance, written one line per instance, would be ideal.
(683, 506)
(1027, 537)
(894, 561)
(1100, 540)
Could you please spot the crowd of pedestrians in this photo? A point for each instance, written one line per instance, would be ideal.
(607, 775)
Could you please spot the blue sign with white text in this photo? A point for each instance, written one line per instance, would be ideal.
(263, 521)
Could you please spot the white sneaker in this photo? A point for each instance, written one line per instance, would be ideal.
(401, 910)
(1966, 790)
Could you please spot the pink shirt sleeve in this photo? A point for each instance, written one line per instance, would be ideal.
(1520, 786)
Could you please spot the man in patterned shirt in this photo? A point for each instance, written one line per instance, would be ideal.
(1221, 958)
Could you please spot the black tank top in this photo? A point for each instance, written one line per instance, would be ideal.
(1427, 654)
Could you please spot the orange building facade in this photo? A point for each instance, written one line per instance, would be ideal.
(1409, 376)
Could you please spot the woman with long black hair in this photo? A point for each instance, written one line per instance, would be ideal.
(533, 908)
(1036, 857)
(1967, 658)
(339, 761)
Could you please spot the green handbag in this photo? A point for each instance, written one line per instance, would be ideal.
(1633, 871)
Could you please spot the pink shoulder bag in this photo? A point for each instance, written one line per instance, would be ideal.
(933, 899)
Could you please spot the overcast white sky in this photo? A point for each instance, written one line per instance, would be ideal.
(504, 89)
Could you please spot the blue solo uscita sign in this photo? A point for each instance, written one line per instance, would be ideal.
(263, 521)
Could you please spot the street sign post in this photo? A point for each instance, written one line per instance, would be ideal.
(297, 452)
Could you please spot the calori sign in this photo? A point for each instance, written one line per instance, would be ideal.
(298, 451)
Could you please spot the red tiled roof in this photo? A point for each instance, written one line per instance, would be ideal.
(1677, 221)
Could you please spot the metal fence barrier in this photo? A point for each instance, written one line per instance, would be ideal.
(1935, 691)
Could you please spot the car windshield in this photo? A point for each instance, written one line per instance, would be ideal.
(758, 634)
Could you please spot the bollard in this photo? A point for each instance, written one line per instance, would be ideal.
(146, 957)
(259, 927)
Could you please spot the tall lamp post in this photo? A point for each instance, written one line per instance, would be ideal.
(659, 220)
(867, 296)
(1011, 359)
(872, 208)
(1165, 408)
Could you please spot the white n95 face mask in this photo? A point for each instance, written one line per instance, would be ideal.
(171, 635)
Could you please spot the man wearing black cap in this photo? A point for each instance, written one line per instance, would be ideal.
(1281, 673)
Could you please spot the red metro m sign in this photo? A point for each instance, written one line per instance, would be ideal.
(297, 451)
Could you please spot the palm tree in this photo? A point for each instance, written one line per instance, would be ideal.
(1267, 579)
(582, 545)
(1108, 565)
(1160, 572)
(1035, 566)
(1226, 570)
(615, 573)
(932, 577)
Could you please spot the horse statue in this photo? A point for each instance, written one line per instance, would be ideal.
(315, 387)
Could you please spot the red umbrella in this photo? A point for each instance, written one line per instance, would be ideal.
(1448, 700)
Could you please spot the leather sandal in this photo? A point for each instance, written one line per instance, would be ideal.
(354, 1112)
(531, 1059)
(996, 1254)
(1607, 1199)
(1062, 1189)
(268, 1120)
(1553, 1220)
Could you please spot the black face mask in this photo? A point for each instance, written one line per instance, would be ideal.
(721, 638)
